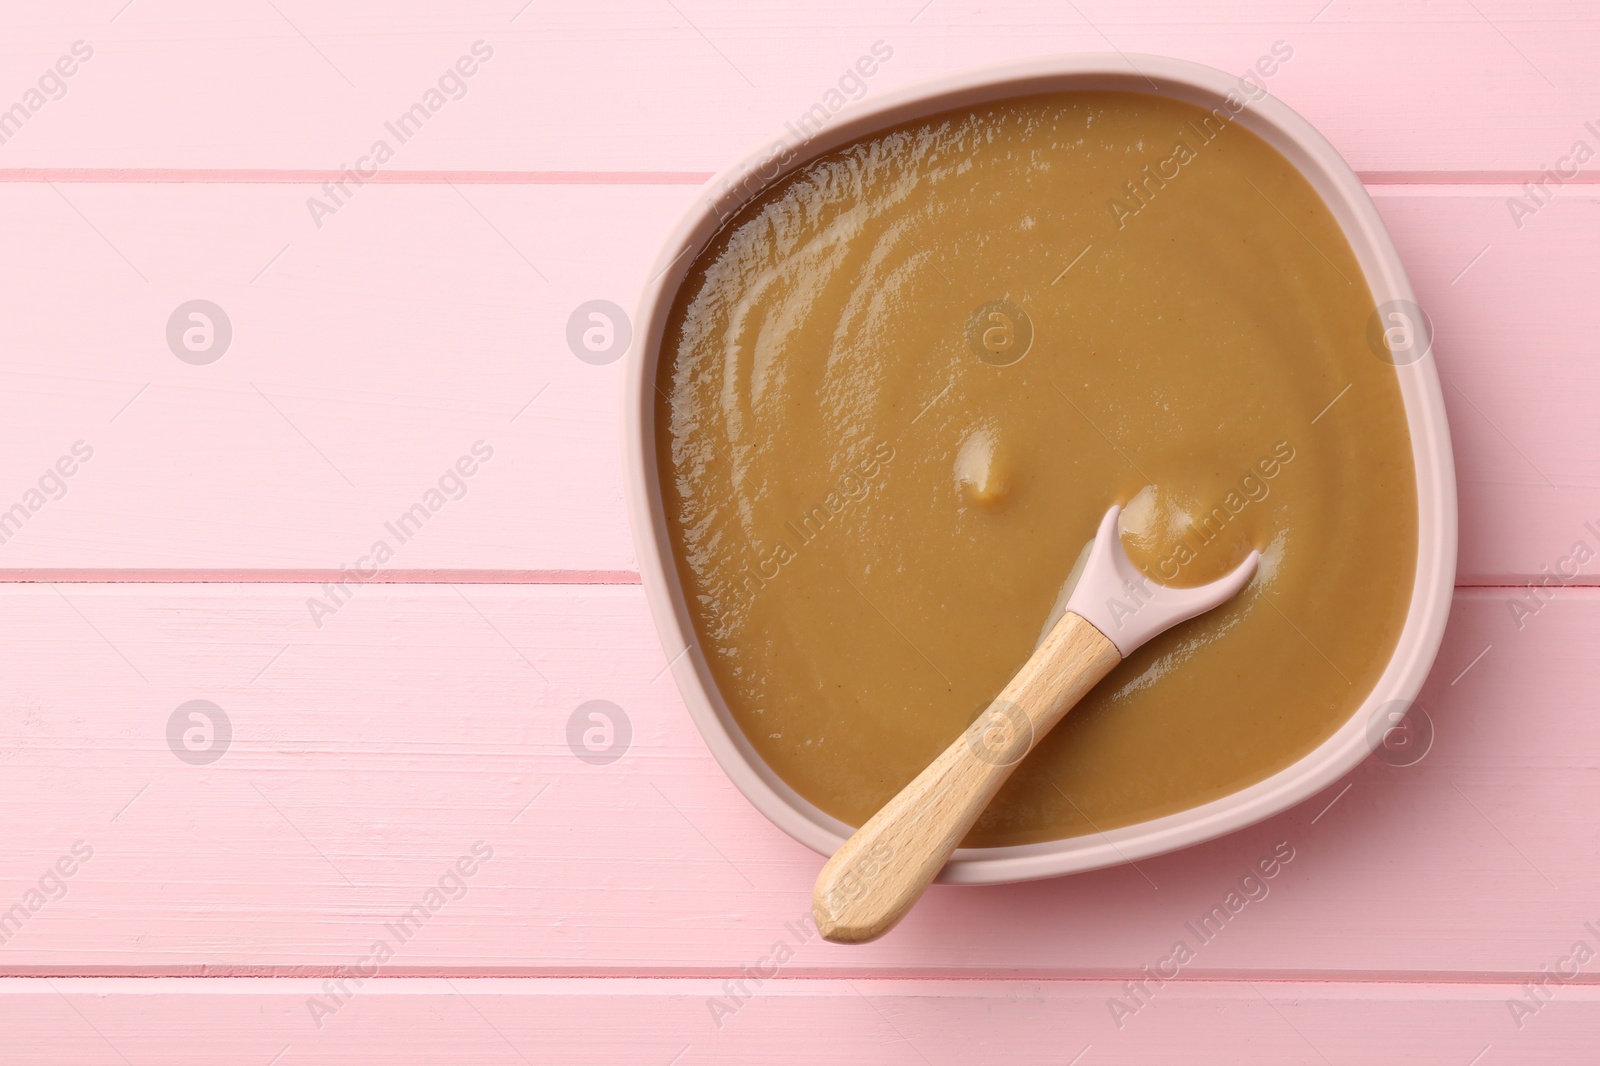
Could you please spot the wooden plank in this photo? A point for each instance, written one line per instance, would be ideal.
(370, 355)
(889, 1022)
(368, 756)
(1506, 291)
(623, 86)
(366, 359)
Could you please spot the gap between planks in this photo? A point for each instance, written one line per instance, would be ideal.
(312, 576)
(150, 979)
(1513, 179)
(469, 576)
(285, 176)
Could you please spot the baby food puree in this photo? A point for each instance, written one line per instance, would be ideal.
(899, 389)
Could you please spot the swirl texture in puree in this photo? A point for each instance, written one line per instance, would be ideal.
(876, 506)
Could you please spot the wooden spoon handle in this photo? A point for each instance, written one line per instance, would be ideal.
(872, 881)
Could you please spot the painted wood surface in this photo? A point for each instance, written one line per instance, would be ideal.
(379, 748)
(895, 1021)
(368, 357)
(1403, 90)
(367, 756)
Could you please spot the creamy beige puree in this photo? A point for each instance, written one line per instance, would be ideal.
(900, 388)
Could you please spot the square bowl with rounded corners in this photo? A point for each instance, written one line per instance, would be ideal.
(1412, 357)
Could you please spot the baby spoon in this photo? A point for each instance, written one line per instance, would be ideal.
(876, 877)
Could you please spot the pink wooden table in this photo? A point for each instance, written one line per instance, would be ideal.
(230, 881)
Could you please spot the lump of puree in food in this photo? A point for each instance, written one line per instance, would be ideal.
(898, 390)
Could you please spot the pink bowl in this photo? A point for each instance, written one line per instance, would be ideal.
(1339, 188)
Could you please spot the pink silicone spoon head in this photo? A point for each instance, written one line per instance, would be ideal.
(1127, 606)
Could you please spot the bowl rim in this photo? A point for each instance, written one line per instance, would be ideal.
(1340, 189)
